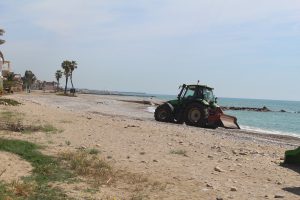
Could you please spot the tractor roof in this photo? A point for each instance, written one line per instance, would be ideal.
(202, 86)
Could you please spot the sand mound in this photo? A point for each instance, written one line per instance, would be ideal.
(12, 167)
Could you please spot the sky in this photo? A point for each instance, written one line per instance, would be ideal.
(242, 48)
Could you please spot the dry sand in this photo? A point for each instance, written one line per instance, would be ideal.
(12, 167)
(209, 164)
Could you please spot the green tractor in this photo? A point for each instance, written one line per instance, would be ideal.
(292, 156)
(195, 105)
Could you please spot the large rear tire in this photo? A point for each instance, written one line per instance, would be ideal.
(196, 115)
(163, 113)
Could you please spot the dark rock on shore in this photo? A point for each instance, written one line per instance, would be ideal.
(263, 109)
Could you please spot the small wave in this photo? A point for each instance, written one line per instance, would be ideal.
(265, 131)
(151, 109)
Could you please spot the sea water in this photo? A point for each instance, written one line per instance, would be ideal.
(275, 122)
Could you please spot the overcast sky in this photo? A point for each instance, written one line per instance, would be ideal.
(243, 48)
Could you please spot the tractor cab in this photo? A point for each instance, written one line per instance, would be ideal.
(196, 92)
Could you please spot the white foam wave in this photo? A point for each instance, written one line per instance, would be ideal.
(265, 131)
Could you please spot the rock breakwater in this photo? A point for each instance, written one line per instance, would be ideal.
(263, 109)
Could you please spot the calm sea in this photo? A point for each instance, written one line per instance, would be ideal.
(276, 122)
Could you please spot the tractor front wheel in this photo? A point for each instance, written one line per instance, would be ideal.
(196, 115)
(163, 113)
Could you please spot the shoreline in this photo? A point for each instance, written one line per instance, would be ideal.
(258, 131)
(138, 108)
(270, 132)
(155, 102)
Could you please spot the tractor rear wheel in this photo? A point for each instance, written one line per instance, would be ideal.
(163, 113)
(196, 115)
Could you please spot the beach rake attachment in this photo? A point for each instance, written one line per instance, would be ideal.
(219, 119)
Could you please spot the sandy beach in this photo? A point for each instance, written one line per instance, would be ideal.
(188, 162)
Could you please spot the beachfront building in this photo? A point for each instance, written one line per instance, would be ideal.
(37, 85)
(4, 71)
(44, 85)
(50, 86)
(6, 68)
(18, 86)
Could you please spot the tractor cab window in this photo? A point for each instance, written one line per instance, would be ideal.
(189, 92)
(208, 95)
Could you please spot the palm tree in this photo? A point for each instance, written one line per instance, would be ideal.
(2, 60)
(58, 75)
(1, 42)
(66, 65)
(73, 66)
(28, 79)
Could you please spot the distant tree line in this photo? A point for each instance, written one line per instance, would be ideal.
(29, 77)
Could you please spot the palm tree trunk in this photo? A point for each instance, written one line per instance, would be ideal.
(29, 87)
(58, 85)
(71, 79)
(66, 84)
(2, 57)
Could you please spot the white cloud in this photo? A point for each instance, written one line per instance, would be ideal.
(69, 16)
(157, 18)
